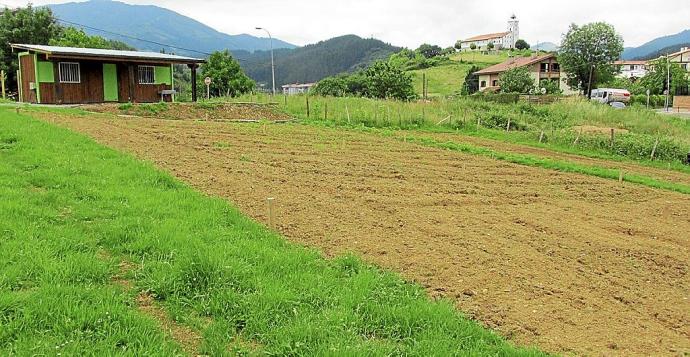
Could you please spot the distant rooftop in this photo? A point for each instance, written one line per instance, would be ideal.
(487, 36)
(297, 85)
(94, 53)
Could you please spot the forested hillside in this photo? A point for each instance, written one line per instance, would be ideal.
(315, 62)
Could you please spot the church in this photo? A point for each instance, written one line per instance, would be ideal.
(501, 40)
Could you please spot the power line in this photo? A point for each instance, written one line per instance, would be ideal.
(149, 41)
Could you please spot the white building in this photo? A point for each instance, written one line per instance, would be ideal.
(631, 69)
(292, 89)
(501, 40)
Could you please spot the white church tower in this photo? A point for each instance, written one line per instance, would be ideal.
(514, 29)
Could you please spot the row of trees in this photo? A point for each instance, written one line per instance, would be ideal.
(38, 26)
(382, 79)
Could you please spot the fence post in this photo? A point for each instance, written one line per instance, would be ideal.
(307, 105)
(325, 111)
(271, 213)
(541, 136)
(613, 136)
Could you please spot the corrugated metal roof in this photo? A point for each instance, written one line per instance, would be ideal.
(94, 52)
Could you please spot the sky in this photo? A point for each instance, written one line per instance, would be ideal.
(410, 23)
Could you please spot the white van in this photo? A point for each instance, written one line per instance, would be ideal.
(610, 95)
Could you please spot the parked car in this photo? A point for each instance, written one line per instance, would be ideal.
(610, 95)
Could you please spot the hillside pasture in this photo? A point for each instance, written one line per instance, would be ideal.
(442, 80)
(568, 262)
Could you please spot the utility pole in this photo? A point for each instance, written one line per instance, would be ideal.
(273, 66)
(2, 83)
(589, 82)
(668, 81)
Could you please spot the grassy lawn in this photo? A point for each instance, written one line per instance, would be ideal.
(74, 213)
(480, 58)
(443, 80)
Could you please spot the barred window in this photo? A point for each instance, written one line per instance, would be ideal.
(69, 72)
(146, 75)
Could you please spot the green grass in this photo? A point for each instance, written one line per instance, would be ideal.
(557, 120)
(443, 80)
(479, 58)
(71, 210)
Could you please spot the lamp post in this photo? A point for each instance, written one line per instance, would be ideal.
(273, 66)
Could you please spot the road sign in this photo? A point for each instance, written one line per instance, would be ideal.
(208, 81)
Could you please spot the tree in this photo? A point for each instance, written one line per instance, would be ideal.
(458, 45)
(429, 51)
(589, 51)
(549, 87)
(26, 25)
(227, 77)
(471, 84)
(490, 46)
(657, 78)
(387, 81)
(516, 80)
(473, 46)
(522, 45)
(73, 37)
(332, 86)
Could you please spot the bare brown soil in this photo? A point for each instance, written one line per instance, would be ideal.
(190, 111)
(502, 146)
(567, 262)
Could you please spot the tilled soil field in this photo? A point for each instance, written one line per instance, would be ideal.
(567, 262)
(193, 111)
(502, 146)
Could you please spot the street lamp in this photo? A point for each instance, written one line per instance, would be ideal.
(273, 66)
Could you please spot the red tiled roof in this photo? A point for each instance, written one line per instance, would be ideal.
(487, 36)
(515, 63)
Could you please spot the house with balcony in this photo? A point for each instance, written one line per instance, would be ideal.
(543, 67)
(631, 69)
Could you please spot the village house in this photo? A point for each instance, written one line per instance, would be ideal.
(67, 75)
(631, 69)
(501, 40)
(682, 58)
(543, 67)
(293, 89)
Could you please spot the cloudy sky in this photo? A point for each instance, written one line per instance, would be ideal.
(412, 22)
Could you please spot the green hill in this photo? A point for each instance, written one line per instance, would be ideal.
(314, 62)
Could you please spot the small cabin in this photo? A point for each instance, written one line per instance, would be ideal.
(67, 75)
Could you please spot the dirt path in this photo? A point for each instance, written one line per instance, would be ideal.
(502, 146)
(571, 263)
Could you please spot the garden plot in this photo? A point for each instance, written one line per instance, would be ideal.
(570, 263)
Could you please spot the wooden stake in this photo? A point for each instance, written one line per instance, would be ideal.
(620, 176)
(285, 99)
(347, 111)
(307, 106)
(17, 110)
(325, 111)
(656, 144)
(541, 137)
(577, 139)
(508, 126)
(479, 121)
(613, 136)
(271, 213)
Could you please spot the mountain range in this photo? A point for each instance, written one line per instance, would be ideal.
(111, 19)
(149, 27)
(659, 46)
